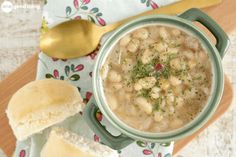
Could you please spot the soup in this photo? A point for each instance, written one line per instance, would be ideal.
(157, 78)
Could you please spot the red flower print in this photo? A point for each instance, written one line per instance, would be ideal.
(78, 17)
(99, 116)
(154, 5)
(56, 59)
(87, 96)
(91, 74)
(101, 21)
(79, 67)
(86, 1)
(93, 55)
(56, 73)
(22, 153)
(147, 152)
(159, 155)
(76, 4)
(96, 138)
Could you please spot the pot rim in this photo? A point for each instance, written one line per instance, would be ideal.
(200, 119)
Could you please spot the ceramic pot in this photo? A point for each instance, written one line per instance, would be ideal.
(184, 22)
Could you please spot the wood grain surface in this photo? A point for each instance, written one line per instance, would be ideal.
(223, 14)
(24, 74)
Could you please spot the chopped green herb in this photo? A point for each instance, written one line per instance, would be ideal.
(198, 78)
(156, 107)
(166, 72)
(163, 110)
(144, 93)
(141, 70)
(157, 104)
(110, 65)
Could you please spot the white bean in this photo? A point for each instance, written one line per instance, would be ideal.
(171, 110)
(160, 47)
(145, 43)
(163, 103)
(141, 33)
(125, 40)
(123, 51)
(179, 102)
(202, 56)
(162, 126)
(132, 110)
(112, 101)
(188, 54)
(147, 56)
(154, 32)
(175, 64)
(206, 90)
(180, 40)
(144, 105)
(133, 45)
(173, 50)
(191, 43)
(174, 81)
(127, 65)
(163, 57)
(164, 84)
(146, 124)
(176, 32)
(163, 33)
(192, 64)
(170, 99)
(137, 86)
(155, 92)
(113, 76)
(147, 82)
(158, 116)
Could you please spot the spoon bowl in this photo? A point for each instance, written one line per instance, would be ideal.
(72, 39)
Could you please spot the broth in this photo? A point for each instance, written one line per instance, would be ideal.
(157, 78)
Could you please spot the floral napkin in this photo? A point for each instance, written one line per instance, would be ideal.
(79, 71)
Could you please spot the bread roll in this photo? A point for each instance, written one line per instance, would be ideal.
(62, 143)
(40, 104)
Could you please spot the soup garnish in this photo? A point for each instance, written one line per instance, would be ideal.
(157, 78)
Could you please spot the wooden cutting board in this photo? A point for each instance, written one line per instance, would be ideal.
(223, 14)
(27, 72)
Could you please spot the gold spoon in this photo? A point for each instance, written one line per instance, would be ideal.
(77, 38)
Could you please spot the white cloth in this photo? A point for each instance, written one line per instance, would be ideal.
(79, 74)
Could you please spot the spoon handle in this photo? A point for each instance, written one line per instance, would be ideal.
(170, 9)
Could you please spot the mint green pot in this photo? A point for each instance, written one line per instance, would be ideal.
(184, 22)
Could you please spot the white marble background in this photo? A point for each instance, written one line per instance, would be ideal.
(19, 37)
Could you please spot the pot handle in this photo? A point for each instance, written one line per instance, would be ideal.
(115, 142)
(222, 40)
